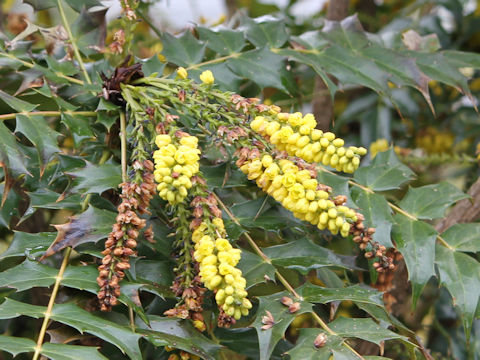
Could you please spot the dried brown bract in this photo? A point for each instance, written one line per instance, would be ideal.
(267, 320)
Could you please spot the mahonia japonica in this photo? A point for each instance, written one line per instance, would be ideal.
(299, 192)
(218, 260)
(297, 135)
(176, 161)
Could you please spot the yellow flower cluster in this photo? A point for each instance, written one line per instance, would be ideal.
(298, 192)
(297, 135)
(175, 164)
(434, 141)
(377, 146)
(217, 259)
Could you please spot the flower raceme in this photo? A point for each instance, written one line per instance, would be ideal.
(297, 135)
(300, 193)
(176, 161)
(217, 259)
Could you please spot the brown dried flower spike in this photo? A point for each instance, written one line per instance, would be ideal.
(122, 241)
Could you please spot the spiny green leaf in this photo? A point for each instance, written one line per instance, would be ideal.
(460, 274)
(64, 67)
(255, 270)
(30, 274)
(241, 340)
(47, 199)
(303, 255)
(377, 214)
(269, 337)
(338, 183)
(344, 50)
(266, 31)
(385, 173)
(88, 29)
(365, 329)
(70, 352)
(82, 320)
(10, 154)
(107, 113)
(16, 103)
(305, 349)
(79, 127)
(44, 138)
(27, 275)
(439, 67)
(81, 277)
(262, 66)
(90, 226)
(222, 176)
(430, 201)
(16, 345)
(463, 237)
(10, 207)
(311, 59)
(26, 244)
(152, 272)
(97, 178)
(416, 241)
(179, 334)
(152, 65)
(77, 5)
(221, 40)
(384, 317)
(225, 79)
(259, 213)
(319, 294)
(184, 50)
(83, 4)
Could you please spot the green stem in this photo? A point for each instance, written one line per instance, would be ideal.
(149, 23)
(47, 113)
(51, 302)
(123, 142)
(123, 145)
(66, 25)
(30, 65)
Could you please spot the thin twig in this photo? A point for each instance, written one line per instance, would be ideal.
(214, 61)
(149, 23)
(66, 25)
(30, 65)
(51, 302)
(47, 113)
(123, 144)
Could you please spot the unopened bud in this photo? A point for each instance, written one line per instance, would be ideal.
(320, 340)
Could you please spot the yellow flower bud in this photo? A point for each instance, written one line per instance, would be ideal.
(207, 77)
(162, 140)
(303, 141)
(267, 161)
(182, 73)
(295, 119)
(190, 141)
